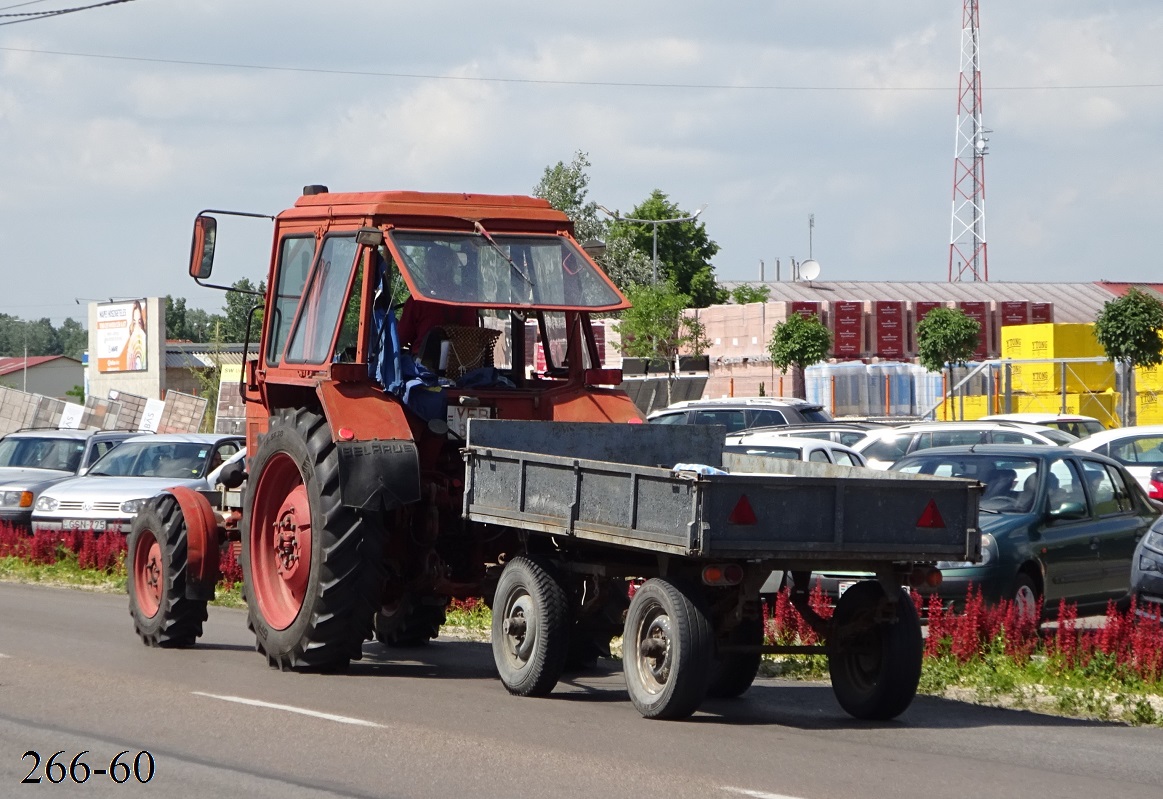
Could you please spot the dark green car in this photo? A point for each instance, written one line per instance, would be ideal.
(1056, 524)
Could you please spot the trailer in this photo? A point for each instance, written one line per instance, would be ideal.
(706, 539)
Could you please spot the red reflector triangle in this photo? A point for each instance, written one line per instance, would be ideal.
(742, 514)
(931, 517)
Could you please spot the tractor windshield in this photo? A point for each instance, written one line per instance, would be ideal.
(502, 271)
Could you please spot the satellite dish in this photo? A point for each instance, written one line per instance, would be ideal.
(810, 270)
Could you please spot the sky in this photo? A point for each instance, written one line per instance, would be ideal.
(120, 123)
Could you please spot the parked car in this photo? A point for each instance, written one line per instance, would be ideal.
(883, 448)
(813, 450)
(33, 460)
(846, 433)
(109, 495)
(1072, 423)
(740, 413)
(1147, 572)
(1139, 449)
(1057, 524)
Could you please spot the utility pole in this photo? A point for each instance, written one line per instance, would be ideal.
(654, 223)
(967, 250)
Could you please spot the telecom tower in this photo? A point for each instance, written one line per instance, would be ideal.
(967, 252)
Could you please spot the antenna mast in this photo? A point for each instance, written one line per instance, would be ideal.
(967, 250)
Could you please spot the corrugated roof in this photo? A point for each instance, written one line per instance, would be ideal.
(1073, 302)
(10, 364)
(203, 356)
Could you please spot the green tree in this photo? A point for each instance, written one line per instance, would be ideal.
(652, 326)
(74, 338)
(566, 187)
(744, 294)
(684, 248)
(1129, 331)
(797, 343)
(946, 337)
(237, 311)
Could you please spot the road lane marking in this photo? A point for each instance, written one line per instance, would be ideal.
(241, 700)
(755, 794)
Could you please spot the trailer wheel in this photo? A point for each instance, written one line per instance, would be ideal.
(312, 567)
(667, 650)
(530, 627)
(733, 673)
(156, 577)
(875, 665)
(412, 621)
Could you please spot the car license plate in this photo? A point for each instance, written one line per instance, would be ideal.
(844, 586)
(96, 525)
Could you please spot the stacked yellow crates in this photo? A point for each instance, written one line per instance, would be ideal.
(1038, 386)
(1149, 385)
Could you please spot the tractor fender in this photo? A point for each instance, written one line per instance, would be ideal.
(202, 543)
(379, 464)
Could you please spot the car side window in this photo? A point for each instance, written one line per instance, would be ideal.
(848, 439)
(732, 420)
(98, 449)
(1065, 485)
(844, 459)
(946, 438)
(819, 456)
(1011, 437)
(1146, 450)
(767, 418)
(1102, 489)
(670, 418)
(888, 449)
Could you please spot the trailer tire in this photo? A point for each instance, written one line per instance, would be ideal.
(413, 621)
(156, 577)
(531, 627)
(875, 665)
(667, 650)
(733, 673)
(312, 567)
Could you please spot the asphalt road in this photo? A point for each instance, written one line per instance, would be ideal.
(435, 722)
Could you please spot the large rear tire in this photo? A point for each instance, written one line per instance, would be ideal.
(313, 568)
(156, 577)
(667, 650)
(875, 665)
(531, 627)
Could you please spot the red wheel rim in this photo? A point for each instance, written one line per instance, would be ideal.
(148, 577)
(280, 541)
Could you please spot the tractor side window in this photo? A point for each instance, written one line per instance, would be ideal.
(323, 301)
(294, 263)
(347, 344)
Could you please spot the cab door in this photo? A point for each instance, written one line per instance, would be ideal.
(1066, 539)
(1118, 525)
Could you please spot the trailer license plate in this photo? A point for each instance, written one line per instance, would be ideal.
(458, 418)
(84, 524)
(844, 586)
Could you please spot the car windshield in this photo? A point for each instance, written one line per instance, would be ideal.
(506, 271)
(786, 453)
(168, 459)
(814, 413)
(63, 454)
(1059, 437)
(1011, 483)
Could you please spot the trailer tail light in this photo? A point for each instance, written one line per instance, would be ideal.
(925, 577)
(725, 574)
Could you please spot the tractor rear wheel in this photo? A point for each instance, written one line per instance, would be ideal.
(156, 577)
(312, 567)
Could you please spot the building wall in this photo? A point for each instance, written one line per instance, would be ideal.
(52, 379)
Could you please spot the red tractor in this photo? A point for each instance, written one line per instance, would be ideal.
(350, 522)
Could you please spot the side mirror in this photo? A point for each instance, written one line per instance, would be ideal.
(233, 474)
(202, 248)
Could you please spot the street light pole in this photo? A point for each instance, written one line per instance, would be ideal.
(654, 223)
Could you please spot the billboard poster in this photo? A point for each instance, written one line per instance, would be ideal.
(889, 324)
(847, 339)
(979, 312)
(122, 344)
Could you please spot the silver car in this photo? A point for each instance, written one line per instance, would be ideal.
(109, 495)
